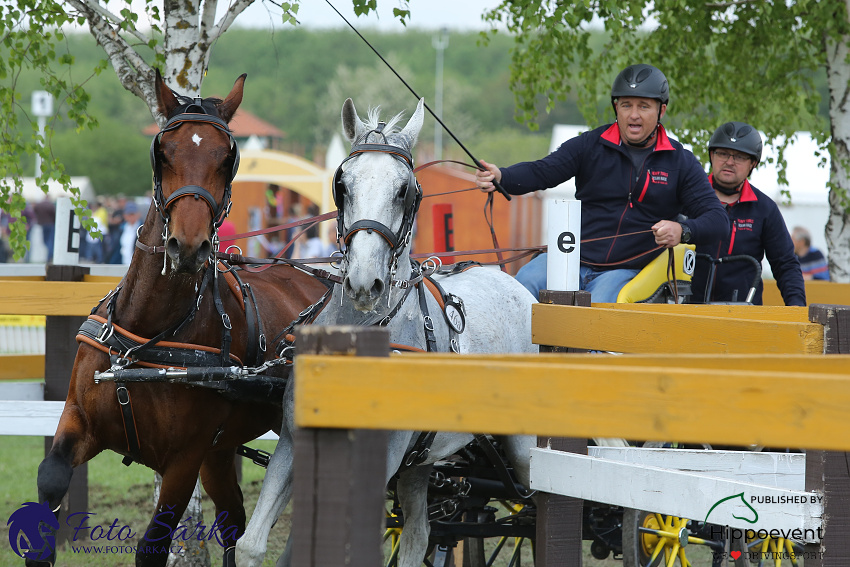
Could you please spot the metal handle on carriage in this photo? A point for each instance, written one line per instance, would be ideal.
(194, 374)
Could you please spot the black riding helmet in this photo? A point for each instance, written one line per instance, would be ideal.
(641, 80)
(738, 136)
(644, 81)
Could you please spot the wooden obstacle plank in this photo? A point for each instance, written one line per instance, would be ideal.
(21, 366)
(114, 280)
(751, 312)
(836, 364)
(683, 494)
(575, 400)
(816, 292)
(29, 418)
(51, 297)
(627, 331)
(778, 470)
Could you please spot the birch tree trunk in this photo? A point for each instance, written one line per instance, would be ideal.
(189, 33)
(194, 553)
(837, 230)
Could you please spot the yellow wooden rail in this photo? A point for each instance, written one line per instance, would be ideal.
(576, 399)
(828, 293)
(753, 312)
(21, 366)
(51, 298)
(832, 364)
(625, 330)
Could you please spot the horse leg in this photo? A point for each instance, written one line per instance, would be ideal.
(218, 475)
(275, 493)
(178, 483)
(412, 490)
(54, 472)
(518, 450)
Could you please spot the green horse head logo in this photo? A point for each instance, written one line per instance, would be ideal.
(743, 500)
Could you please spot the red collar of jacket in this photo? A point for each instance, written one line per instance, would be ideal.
(612, 135)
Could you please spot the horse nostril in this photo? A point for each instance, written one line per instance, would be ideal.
(377, 288)
(204, 251)
(172, 247)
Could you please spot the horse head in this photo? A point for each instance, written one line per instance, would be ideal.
(194, 158)
(377, 196)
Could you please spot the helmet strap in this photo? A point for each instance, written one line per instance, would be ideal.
(725, 190)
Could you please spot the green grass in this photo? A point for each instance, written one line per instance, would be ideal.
(115, 492)
(126, 494)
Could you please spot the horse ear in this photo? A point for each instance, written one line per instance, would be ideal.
(351, 123)
(414, 125)
(227, 109)
(164, 96)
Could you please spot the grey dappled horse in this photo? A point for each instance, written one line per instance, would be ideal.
(377, 195)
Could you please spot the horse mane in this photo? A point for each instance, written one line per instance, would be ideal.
(210, 105)
(372, 119)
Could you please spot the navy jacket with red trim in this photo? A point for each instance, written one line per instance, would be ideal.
(757, 229)
(616, 200)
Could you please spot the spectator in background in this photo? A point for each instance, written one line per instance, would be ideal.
(91, 247)
(812, 261)
(112, 238)
(132, 222)
(45, 217)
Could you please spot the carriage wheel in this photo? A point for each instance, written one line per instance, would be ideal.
(651, 539)
(771, 551)
(475, 554)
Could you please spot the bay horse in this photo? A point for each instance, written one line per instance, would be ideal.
(175, 291)
(377, 196)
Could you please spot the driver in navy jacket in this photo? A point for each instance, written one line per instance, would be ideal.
(632, 180)
(757, 226)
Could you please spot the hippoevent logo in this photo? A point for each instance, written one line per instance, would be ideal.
(732, 534)
(33, 527)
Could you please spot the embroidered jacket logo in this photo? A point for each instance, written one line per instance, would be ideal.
(659, 177)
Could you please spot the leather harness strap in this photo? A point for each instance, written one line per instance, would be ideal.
(131, 433)
(165, 354)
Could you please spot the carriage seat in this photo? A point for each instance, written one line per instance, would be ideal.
(651, 286)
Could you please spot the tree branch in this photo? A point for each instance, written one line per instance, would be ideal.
(107, 15)
(133, 72)
(723, 5)
(227, 20)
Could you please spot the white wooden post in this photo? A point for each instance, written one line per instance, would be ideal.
(66, 240)
(564, 240)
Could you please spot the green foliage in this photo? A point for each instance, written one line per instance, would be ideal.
(759, 62)
(30, 35)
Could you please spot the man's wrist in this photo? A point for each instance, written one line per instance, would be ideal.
(686, 233)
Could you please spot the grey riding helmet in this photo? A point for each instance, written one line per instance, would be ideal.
(738, 136)
(641, 80)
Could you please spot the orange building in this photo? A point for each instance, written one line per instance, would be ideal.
(516, 223)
